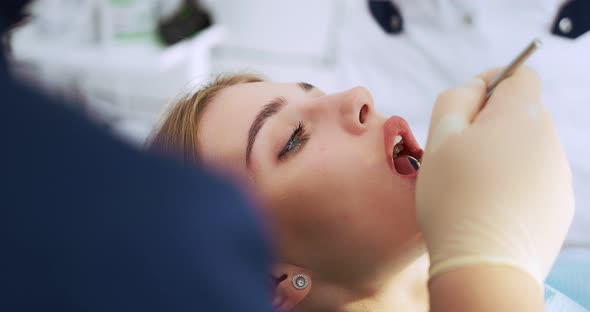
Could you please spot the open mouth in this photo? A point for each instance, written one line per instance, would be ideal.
(404, 163)
(402, 151)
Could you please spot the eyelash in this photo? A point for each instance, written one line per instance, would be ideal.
(295, 142)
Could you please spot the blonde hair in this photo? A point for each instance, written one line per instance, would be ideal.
(177, 134)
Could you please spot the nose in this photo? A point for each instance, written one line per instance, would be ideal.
(355, 106)
(352, 109)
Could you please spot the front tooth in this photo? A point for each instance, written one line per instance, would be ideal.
(398, 138)
(396, 151)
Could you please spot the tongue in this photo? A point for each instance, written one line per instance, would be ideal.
(403, 165)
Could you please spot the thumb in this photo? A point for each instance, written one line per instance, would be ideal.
(454, 110)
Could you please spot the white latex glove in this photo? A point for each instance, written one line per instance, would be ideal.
(494, 186)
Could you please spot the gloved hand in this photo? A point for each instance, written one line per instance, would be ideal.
(494, 187)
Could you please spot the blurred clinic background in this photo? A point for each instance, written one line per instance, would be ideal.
(122, 61)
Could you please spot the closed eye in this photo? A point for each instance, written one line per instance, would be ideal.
(297, 140)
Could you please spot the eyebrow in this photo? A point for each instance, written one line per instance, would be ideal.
(274, 106)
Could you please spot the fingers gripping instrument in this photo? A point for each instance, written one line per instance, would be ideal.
(512, 66)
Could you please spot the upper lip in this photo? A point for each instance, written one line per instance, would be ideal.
(394, 126)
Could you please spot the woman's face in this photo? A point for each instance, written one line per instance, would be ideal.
(322, 167)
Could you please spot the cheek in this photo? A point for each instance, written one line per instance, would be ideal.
(365, 196)
(335, 193)
(302, 197)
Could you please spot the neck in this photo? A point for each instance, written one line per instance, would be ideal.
(401, 286)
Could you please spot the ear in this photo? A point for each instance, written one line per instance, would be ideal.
(286, 295)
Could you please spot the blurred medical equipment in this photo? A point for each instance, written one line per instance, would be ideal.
(125, 74)
(108, 55)
(105, 22)
(188, 19)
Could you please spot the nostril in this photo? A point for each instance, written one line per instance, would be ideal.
(363, 113)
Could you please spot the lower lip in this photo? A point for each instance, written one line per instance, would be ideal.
(393, 126)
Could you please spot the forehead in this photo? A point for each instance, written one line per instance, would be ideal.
(223, 128)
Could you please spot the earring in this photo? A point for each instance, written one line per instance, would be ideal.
(300, 281)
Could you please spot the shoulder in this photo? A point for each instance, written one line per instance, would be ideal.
(96, 216)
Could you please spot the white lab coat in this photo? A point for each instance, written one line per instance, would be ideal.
(444, 43)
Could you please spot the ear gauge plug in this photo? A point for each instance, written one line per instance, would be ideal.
(300, 281)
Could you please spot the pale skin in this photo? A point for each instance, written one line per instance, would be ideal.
(329, 201)
(506, 123)
(337, 211)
